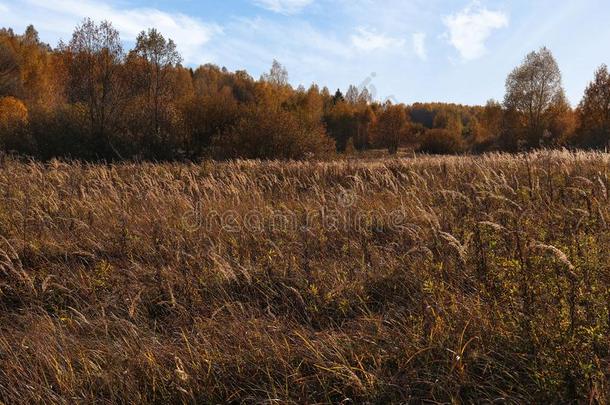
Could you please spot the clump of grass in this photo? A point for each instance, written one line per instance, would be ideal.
(440, 279)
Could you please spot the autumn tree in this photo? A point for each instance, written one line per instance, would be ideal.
(533, 94)
(449, 120)
(36, 75)
(341, 124)
(365, 97)
(95, 73)
(9, 68)
(278, 75)
(594, 111)
(391, 127)
(242, 86)
(210, 78)
(159, 57)
(365, 121)
(41, 73)
(273, 90)
(562, 125)
(308, 106)
(491, 121)
(13, 125)
(207, 117)
(20, 63)
(352, 95)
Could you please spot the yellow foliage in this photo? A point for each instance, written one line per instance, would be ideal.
(13, 113)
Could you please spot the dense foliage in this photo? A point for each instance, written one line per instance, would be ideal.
(90, 99)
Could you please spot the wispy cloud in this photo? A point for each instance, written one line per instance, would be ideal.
(369, 40)
(469, 29)
(317, 50)
(419, 45)
(61, 16)
(284, 6)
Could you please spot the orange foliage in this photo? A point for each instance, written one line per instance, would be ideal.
(13, 113)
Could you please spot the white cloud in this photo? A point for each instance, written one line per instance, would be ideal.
(61, 16)
(368, 40)
(284, 6)
(471, 27)
(317, 50)
(3, 8)
(419, 45)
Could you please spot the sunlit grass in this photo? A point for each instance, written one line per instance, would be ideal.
(381, 280)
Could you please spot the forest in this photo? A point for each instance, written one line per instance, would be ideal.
(90, 99)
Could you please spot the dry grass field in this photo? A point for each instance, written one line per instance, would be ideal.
(429, 279)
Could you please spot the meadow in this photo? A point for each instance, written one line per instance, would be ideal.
(372, 280)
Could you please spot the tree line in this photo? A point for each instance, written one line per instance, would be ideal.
(91, 99)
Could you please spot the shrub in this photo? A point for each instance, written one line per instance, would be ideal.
(62, 132)
(441, 141)
(261, 133)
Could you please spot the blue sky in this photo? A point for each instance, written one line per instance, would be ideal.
(410, 50)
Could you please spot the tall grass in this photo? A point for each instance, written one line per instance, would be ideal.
(389, 280)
